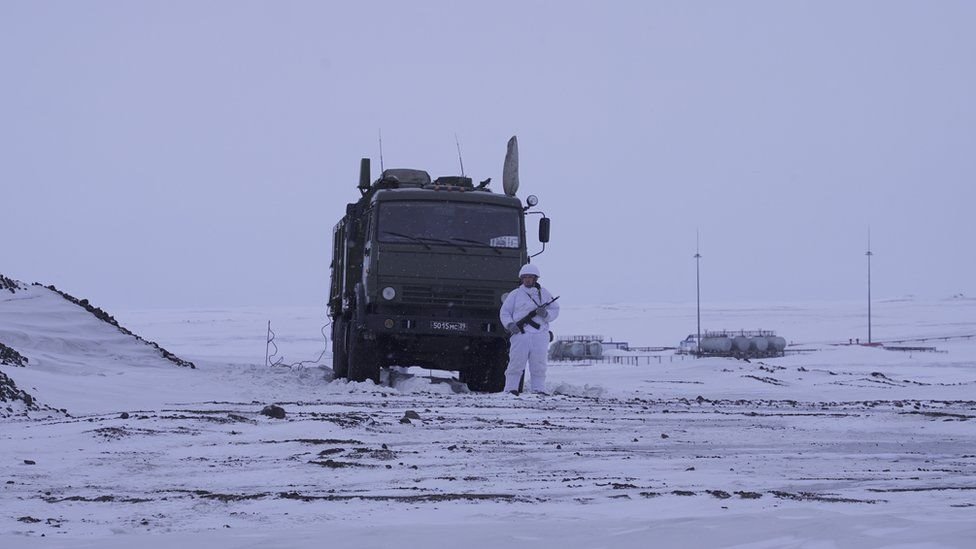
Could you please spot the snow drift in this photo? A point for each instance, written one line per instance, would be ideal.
(48, 336)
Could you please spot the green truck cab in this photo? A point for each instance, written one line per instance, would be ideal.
(419, 271)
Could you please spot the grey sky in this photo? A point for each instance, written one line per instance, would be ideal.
(197, 154)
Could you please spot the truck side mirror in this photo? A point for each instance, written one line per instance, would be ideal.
(544, 230)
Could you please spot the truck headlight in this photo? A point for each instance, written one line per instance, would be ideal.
(389, 293)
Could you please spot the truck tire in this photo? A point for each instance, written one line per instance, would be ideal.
(488, 373)
(340, 358)
(362, 359)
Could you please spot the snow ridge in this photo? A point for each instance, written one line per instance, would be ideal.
(109, 319)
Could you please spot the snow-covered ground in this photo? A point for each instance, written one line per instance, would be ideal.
(839, 446)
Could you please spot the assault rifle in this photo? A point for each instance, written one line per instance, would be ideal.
(528, 319)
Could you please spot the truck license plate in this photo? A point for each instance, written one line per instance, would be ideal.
(449, 326)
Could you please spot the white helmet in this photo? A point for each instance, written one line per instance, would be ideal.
(529, 269)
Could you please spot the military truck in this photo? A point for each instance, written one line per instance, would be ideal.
(419, 270)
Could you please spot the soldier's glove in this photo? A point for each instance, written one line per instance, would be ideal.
(512, 327)
(542, 311)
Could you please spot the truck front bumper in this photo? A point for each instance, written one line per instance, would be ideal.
(411, 325)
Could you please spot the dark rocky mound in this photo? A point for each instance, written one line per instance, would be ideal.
(10, 394)
(11, 357)
(107, 318)
(8, 284)
(14, 402)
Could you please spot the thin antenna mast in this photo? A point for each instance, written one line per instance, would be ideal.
(460, 160)
(698, 285)
(869, 254)
(382, 169)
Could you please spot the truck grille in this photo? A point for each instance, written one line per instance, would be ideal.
(456, 297)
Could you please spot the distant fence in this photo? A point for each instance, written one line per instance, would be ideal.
(888, 341)
(930, 338)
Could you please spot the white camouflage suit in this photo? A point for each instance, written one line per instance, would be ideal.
(533, 345)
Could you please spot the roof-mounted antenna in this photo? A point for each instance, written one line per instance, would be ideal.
(460, 160)
(382, 169)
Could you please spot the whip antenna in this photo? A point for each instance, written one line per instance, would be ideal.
(460, 160)
(382, 169)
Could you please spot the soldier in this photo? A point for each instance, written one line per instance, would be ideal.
(526, 314)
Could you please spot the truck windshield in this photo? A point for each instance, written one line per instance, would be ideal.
(448, 222)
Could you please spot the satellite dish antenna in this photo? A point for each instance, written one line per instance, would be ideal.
(510, 177)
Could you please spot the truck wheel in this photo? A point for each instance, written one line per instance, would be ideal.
(488, 374)
(363, 363)
(340, 359)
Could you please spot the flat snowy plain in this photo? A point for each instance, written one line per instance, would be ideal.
(838, 446)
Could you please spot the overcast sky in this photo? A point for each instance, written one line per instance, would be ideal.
(198, 154)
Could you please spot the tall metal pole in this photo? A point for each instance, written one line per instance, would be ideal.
(869, 254)
(267, 347)
(698, 288)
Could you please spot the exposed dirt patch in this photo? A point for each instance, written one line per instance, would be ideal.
(111, 433)
(29, 519)
(333, 464)
(203, 494)
(382, 454)
(766, 379)
(211, 417)
(810, 496)
(315, 441)
(99, 499)
(117, 433)
(420, 498)
(944, 415)
(347, 419)
(225, 498)
(925, 489)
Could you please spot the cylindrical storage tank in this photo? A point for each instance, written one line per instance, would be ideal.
(594, 349)
(758, 344)
(556, 350)
(776, 344)
(563, 350)
(716, 344)
(740, 344)
(577, 349)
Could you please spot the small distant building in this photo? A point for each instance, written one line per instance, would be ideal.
(616, 345)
